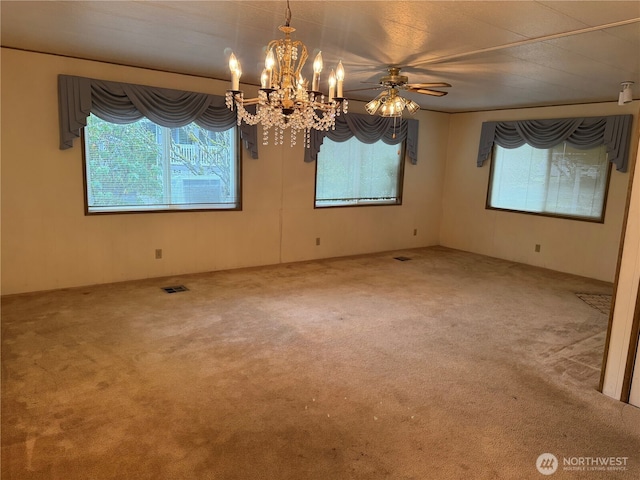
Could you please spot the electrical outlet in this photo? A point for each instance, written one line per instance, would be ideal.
(317, 241)
(537, 247)
(158, 253)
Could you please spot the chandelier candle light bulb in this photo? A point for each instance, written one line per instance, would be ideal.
(317, 68)
(268, 65)
(340, 78)
(300, 92)
(332, 85)
(234, 66)
(264, 79)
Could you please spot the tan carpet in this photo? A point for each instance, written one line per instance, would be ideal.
(445, 366)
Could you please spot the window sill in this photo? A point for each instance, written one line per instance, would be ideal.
(200, 207)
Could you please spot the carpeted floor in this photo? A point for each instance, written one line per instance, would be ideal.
(448, 365)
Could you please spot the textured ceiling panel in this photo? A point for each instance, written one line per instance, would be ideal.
(495, 54)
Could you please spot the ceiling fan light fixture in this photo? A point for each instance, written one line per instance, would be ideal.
(412, 106)
(390, 104)
(373, 106)
(392, 107)
(626, 94)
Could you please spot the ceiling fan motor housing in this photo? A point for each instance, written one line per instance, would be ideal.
(394, 78)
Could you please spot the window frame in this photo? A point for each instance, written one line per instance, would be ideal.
(547, 214)
(399, 186)
(142, 209)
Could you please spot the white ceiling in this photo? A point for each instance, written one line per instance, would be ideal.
(498, 54)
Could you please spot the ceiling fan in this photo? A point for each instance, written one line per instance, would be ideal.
(390, 103)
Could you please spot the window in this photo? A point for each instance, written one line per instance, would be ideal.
(354, 173)
(561, 181)
(141, 166)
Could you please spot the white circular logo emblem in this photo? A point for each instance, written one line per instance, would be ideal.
(547, 464)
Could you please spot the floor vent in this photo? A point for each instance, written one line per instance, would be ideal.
(175, 289)
(402, 259)
(598, 301)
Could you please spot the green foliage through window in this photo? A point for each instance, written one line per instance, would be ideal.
(142, 166)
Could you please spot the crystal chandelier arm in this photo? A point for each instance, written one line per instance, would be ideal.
(250, 101)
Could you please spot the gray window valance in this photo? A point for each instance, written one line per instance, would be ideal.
(367, 129)
(126, 103)
(586, 132)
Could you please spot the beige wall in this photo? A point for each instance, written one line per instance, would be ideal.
(48, 242)
(581, 248)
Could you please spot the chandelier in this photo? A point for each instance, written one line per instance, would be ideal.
(284, 99)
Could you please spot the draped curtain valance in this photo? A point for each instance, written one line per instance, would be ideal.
(126, 103)
(586, 132)
(367, 129)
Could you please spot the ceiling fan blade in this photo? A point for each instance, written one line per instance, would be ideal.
(427, 91)
(373, 87)
(428, 85)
